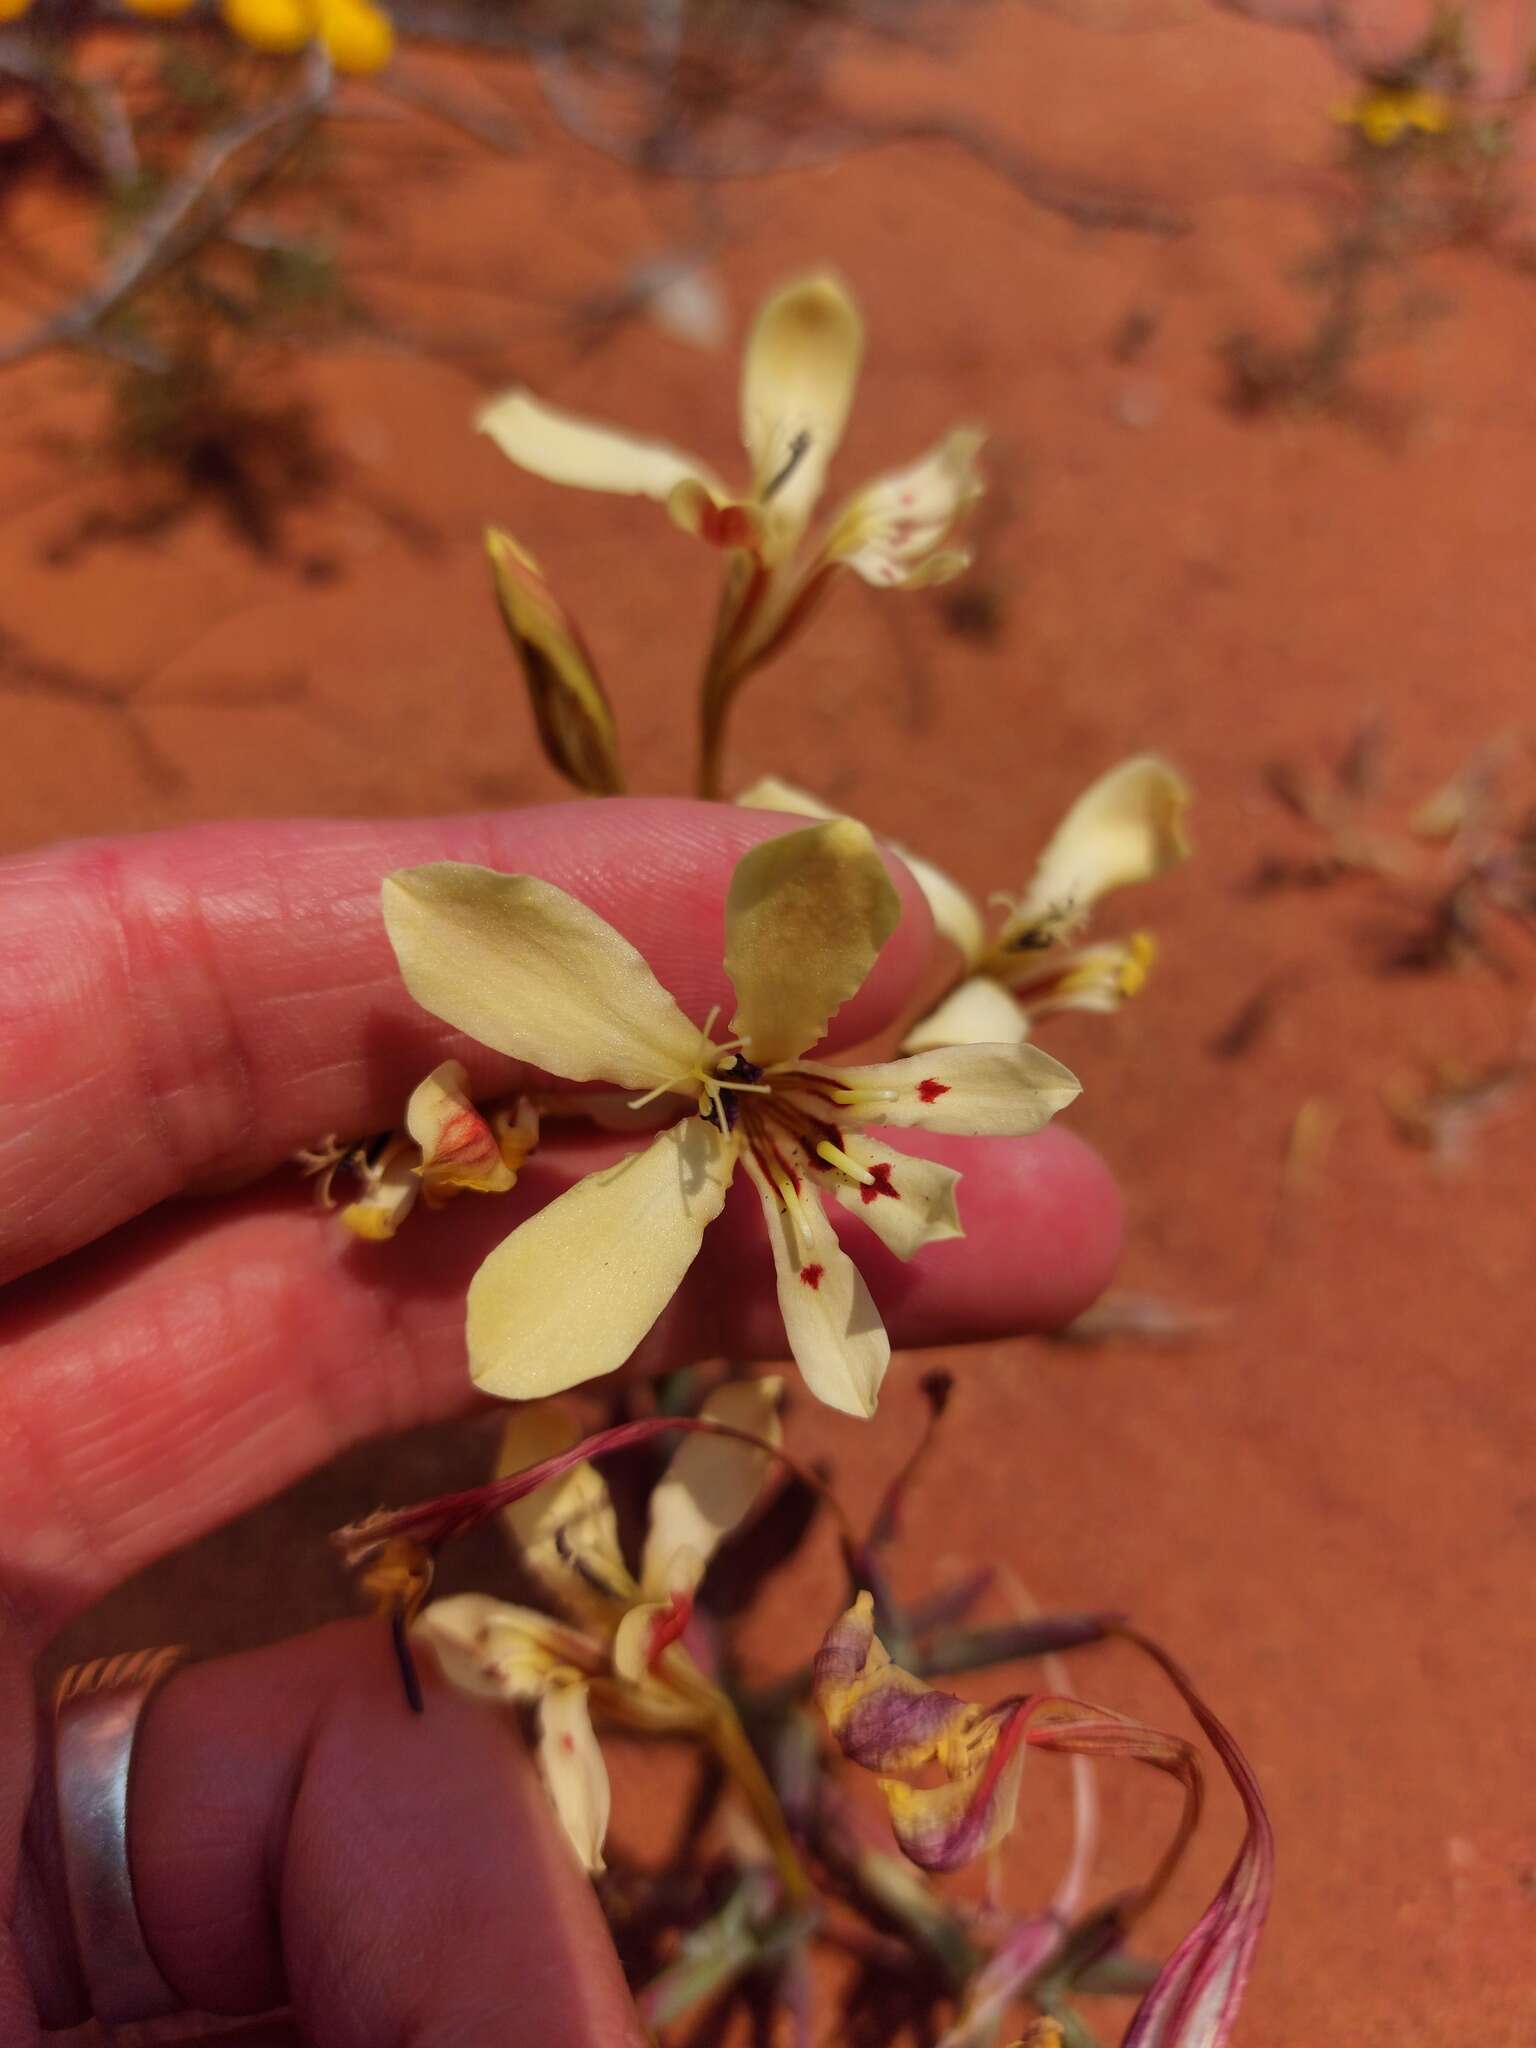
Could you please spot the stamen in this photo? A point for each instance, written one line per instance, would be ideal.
(799, 448)
(794, 1208)
(667, 1087)
(838, 1158)
(845, 1098)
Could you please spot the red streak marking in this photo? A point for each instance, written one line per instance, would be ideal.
(880, 1185)
(782, 1164)
(568, 1744)
(930, 1091)
(810, 1276)
(667, 1627)
(1016, 1725)
(465, 1135)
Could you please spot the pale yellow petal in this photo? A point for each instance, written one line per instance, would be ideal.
(1126, 827)
(575, 722)
(563, 448)
(575, 1776)
(955, 914)
(565, 1531)
(770, 793)
(574, 1289)
(979, 1012)
(806, 916)
(458, 1146)
(711, 516)
(907, 1202)
(1000, 1091)
(798, 379)
(834, 1329)
(525, 968)
(709, 1486)
(942, 566)
(499, 1651)
(893, 531)
(635, 1636)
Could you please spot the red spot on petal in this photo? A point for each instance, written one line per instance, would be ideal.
(810, 1276)
(880, 1185)
(568, 1744)
(930, 1091)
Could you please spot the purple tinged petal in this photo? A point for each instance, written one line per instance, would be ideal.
(944, 1827)
(1195, 2000)
(881, 1716)
(892, 1729)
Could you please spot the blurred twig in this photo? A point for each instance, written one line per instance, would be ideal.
(188, 212)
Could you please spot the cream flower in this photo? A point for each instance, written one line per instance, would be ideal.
(619, 1650)
(1126, 827)
(798, 380)
(527, 969)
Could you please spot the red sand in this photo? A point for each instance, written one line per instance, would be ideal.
(1326, 1508)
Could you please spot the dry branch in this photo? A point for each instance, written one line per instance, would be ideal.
(191, 210)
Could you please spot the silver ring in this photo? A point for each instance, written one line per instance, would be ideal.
(97, 1709)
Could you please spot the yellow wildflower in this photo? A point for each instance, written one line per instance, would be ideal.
(1385, 113)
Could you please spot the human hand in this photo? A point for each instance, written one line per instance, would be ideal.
(182, 1012)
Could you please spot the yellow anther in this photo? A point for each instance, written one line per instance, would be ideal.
(849, 1098)
(1140, 955)
(838, 1158)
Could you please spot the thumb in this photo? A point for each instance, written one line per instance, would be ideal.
(299, 1837)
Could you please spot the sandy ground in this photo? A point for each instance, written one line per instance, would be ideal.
(1325, 1505)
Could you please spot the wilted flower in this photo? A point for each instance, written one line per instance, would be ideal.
(446, 1146)
(798, 380)
(891, 1722)
(620, 1651)
(1126, 827)
(522, 966)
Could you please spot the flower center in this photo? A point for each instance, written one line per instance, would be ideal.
(722, 1104)
(714, 1071)
(792, 1133)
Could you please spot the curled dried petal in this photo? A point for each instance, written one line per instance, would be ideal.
(458, 1146)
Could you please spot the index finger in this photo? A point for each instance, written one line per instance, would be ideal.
(197, 1004)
